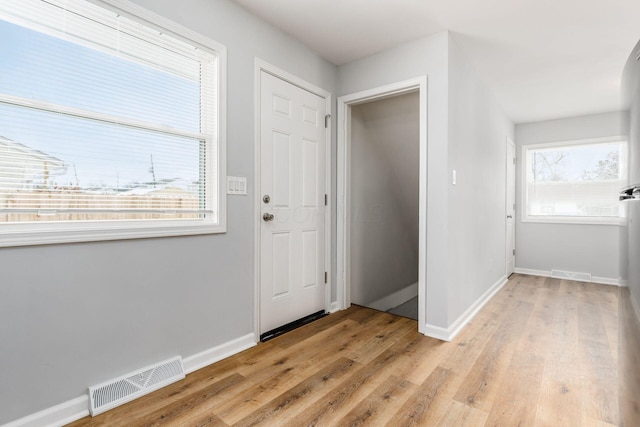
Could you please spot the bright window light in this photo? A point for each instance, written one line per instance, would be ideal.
(109, 128)
(573, 181)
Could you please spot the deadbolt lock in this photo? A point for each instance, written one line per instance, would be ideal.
(266, 198)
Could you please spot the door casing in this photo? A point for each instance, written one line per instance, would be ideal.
(510, 186)
(263, 66)
(343, 171)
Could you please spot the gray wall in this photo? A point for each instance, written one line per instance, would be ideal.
(631, 248)
(423, 57)
(478, 130)
(591, 249)
(77, 314)
(384, 197)
(466, 224)
(629, 301)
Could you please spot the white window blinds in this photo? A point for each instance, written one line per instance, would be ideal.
(574, 180)
(103, 118)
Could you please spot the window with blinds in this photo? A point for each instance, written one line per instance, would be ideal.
(574, 181)
(107, 121)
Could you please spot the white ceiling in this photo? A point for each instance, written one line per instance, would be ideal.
(544, 59)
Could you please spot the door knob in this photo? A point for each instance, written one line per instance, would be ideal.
(509, 216)
(268, 217)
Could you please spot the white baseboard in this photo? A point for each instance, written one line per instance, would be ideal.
(334, 307)
(395, 299)
(77, 408)
(56, 416)
(594, 279)
(448, 334)
(635, 307)
(215, 354)
(607, 281)
(532, 272)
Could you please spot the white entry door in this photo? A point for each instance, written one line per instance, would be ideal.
(292, 200)
(511, 206)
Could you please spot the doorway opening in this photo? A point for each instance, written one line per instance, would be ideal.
(382, 199)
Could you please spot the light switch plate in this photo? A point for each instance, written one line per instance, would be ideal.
(237, 185)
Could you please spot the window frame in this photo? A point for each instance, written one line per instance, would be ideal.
(550, 219)
(38, 233)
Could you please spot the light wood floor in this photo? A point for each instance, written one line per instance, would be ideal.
(628, 361)
(542, 352)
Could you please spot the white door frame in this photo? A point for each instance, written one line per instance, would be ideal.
(343, 200)
(261, 66)
(512, 144)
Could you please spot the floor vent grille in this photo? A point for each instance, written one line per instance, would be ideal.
(128, 387)
(571, 275)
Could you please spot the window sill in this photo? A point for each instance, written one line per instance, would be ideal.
(575, 220)
(45, 234)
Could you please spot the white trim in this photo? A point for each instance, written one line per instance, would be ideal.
(634, 305)
(510, 211)
(580, 220)
(343, 209)
(215, 354)
(583, 220)
(448, 334)
(116, 231)
(606, 281)
(395, 299)
(532, 272)
(335, 306)
(382, 92)
(594, 279)
(587, 141)
(160, 22)
(260, 66)
(77, 408)
(90, 231)
(59, 415)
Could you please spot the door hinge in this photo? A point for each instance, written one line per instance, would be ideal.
(325, 277)
(514, 252)
(514, 207)
(326, 200)
(326, 120)
(514, 160)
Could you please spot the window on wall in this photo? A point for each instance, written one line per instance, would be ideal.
(574, 181)
(110, 124)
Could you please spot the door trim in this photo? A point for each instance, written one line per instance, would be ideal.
(510, 143)
(260, 66)
(343, 191)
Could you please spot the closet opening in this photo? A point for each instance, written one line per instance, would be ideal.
(382, 200)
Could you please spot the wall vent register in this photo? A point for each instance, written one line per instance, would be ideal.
(126, 388)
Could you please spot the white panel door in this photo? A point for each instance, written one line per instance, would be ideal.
(292, 199)
(511, 206)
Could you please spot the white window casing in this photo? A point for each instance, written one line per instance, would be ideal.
(574, 182)
(126, 139)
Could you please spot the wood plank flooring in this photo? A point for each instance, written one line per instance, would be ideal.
(629, 361)
(542, 352)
